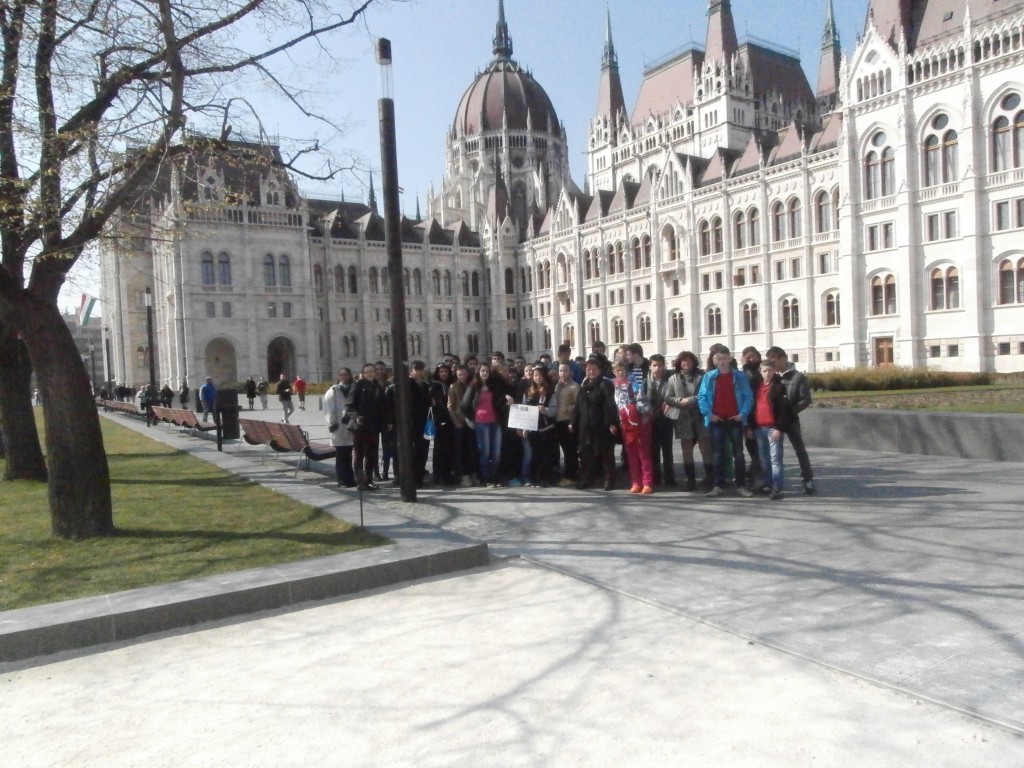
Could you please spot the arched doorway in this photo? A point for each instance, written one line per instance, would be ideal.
(221, 362)
(280, 358)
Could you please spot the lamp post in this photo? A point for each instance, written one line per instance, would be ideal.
(393, 240)
(152, 361)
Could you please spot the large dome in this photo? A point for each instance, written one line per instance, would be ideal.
(505, 95)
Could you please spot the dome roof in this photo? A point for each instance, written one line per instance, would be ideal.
(505, 95)
(505, 92)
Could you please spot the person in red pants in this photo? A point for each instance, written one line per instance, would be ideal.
(635, 418)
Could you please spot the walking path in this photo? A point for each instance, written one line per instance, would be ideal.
(878, 623)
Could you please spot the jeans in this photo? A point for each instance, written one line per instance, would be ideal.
(728, 435)
(771, 457)
(488, 450)
(796, 439)
(288, 408)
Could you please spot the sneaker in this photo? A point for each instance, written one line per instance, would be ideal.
(515, 482)
(647, 490)
(744, 492)
(716, 491)
(636, 488)
(566, 482)
(609, 485)
(466, 482)
(776, 494)
(494, 485)
(809, 487)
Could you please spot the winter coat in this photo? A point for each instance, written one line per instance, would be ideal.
(741, 386)
(595, 412)
(798, 391)
(499, 388)
(335, 400)
(681, 386)
(366, 402)
(782, 409)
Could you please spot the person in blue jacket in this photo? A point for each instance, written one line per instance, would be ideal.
(208, 397)
(725, 400)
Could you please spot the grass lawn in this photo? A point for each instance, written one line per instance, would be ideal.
(177, 517)
(1001, 397)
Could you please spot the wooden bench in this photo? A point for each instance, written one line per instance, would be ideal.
(188, 420)
(288, 438)
(255, 432)
(127, 408)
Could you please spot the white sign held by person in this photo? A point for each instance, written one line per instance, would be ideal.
(523, 417)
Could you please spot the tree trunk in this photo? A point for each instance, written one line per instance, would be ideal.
(79, 488)
(19, 439)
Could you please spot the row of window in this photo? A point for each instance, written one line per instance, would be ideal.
(941, 150)
(786, 223)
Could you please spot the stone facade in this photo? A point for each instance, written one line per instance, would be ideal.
(873, 219)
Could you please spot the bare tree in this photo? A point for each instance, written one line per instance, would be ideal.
(82, 80)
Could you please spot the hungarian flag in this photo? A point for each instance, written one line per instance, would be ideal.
(85, 310)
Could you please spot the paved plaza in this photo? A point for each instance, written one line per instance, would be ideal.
(878, 623)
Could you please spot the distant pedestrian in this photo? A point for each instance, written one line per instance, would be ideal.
(183, 397)
(208, 398)
(299, 386)
(250, 391)
(284, 394)
(166, 395)
(261, 391)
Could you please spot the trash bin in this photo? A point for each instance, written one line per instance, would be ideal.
(227, 413)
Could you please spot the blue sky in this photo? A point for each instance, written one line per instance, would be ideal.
(440, 45)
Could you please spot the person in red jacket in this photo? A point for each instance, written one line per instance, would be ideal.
(299, 386)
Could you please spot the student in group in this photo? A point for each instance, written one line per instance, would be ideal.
(564, 358)
(770, 418)
(366, 412)
(485, 406)
(751, 358)
(725, 400)
(566, 392)
(465, 442)
(335, 400)
(542, 443)
(595, 423)
(689, 427)
(635, 423)
(444, 427)
(798, 392)
(662, 428)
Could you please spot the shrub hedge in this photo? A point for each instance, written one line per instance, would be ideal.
(891, 377)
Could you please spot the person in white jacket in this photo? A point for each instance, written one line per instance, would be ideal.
(337, 422)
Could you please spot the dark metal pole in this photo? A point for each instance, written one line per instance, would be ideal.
(393, 240)
(152, 359)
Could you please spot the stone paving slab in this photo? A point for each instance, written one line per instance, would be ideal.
(511, 665)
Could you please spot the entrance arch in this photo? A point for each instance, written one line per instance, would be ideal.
(221, 362)
(280, 358)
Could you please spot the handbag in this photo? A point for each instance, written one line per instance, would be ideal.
(430, 429)
(669, 412)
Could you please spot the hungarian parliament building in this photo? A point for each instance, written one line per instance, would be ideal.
(874, 218)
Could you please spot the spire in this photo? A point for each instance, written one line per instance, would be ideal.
(610, 59)
(721, 42)
(502, 40)
(419, 216)
(609, 93)
(372, 202)
(831, 54)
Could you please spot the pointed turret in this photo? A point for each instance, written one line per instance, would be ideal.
(609, 96)
(372, 202)
(831, 55)
(502, 40)
(721, 43)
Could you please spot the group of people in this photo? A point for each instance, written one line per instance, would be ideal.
(498, 422)
(256, 387)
